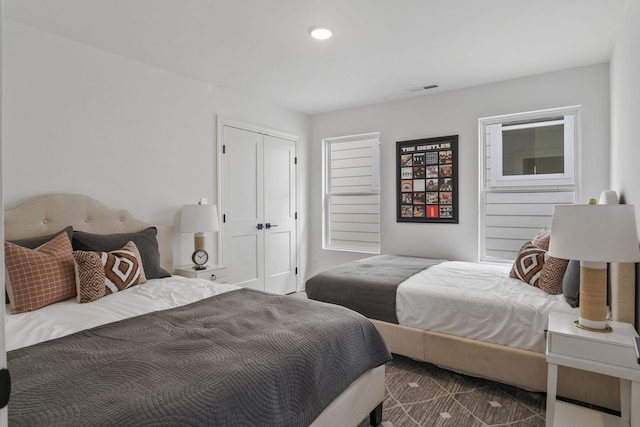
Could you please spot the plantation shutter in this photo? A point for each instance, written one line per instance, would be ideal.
(353, 195)
(511, 216)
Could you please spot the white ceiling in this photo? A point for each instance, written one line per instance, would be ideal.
(380, 48)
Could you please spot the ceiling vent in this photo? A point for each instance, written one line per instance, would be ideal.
(422, 88)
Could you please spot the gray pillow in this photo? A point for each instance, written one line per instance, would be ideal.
(34, 242)
(571, 283)
(145, 240)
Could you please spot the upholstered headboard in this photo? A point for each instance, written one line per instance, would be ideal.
(51, 213)
(624, 296)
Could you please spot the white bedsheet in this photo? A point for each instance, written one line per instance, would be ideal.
(505, 311)
(67, 317)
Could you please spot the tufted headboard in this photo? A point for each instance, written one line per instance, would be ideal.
(51, 213)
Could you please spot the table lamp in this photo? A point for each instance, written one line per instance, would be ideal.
(199, 219)
(594, 235)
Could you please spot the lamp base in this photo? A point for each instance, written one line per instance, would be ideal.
(593, 297)
(606, 328)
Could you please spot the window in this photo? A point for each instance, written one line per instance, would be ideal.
(532, 152)
(351, 205)
(528, 164)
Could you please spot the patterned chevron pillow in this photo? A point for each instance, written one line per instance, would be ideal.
(552, 275)
(529, 264)
(102, 273)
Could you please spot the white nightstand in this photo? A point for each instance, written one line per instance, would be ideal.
(605, 353)
(217, 273)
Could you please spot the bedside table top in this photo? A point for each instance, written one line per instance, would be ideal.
(608, 353)
(563, 324)
(190, 268)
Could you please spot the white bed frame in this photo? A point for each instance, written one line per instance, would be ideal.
(51, 213)
(522, 368)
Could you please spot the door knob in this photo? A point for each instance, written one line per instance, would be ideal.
(269, 225)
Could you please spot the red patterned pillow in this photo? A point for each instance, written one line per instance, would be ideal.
(41, 276)
(552, 275)
(103, 273)
(529, 264)
(543, 238)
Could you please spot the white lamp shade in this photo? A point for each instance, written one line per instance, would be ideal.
(594, 233)
(199, 218)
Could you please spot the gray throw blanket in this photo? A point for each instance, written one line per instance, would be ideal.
(367, 286)
(243, 358)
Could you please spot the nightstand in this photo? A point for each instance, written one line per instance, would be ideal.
(217, 273)
(605, 353)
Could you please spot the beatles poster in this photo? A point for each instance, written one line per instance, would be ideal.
(427, 188)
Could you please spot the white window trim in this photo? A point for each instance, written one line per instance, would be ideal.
(326, 204)
(570, 119)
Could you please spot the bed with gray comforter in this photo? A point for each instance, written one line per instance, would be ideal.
(240, 358)
(367, 286)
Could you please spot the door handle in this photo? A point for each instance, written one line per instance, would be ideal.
(269, 225)
(260, 226)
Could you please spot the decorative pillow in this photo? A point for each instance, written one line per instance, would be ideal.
(102, 273)
(571, 283)
(145, 241)
(542, 239)
(529, 264)
(41, 276)
(32, 243)
(552, 275)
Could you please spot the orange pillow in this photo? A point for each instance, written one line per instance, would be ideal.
(552, 275)
(543, 238)
(42, 276)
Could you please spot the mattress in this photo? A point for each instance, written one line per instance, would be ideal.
(478, 301)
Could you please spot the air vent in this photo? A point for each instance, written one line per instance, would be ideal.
(422, 88)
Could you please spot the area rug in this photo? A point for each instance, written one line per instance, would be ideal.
(421, 394)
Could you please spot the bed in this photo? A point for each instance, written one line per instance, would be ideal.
(158, 349)
(461, 316)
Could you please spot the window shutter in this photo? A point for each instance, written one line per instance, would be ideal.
(513, 210)
(353, 195)
(513, 218)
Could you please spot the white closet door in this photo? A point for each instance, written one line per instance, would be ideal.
(243, 242)
(279, 214)
(259, 210)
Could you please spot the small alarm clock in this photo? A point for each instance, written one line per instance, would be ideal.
(200, 258)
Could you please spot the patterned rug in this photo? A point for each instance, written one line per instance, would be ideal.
(421, 394)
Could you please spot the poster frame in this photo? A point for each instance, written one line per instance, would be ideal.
(418, 163)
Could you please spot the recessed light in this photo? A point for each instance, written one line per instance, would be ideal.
(320, 32)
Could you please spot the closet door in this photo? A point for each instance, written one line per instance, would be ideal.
(242, 208)
(279, 214)
(258, 208)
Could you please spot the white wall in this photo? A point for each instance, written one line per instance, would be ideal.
(625, 114)
(82, 120)
(625, 109)
(457, 112)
